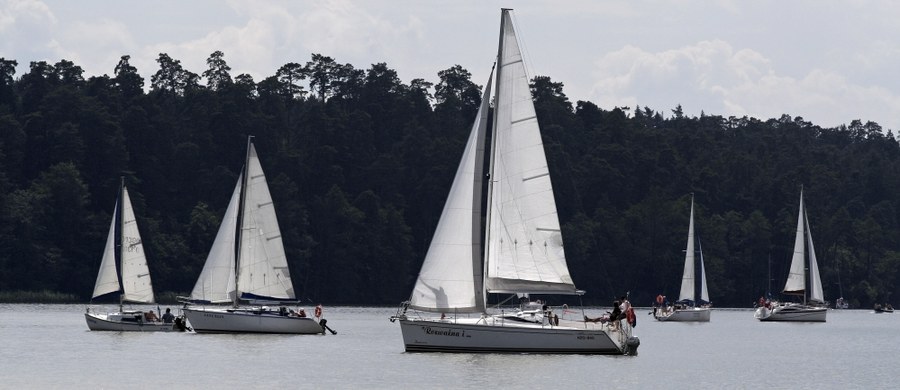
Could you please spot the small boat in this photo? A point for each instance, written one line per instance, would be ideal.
(247, 263)
(803, 267)
(886, 308)
(505, 240)
(693, 300)
(123, 271)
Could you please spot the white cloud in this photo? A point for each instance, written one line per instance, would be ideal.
(714, 77)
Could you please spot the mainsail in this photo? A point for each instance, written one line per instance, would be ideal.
(524, 251)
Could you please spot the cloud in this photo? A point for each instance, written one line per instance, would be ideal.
(27, 27)
(713, 77)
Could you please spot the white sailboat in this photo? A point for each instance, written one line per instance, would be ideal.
(123, 270)
(690, 305)
(801, 281)
(517, 250)
(247, 262)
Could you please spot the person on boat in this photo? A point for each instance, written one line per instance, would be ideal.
(150, 316)
(168, 318)
(318, 311)
(616, 314)
(601, 319)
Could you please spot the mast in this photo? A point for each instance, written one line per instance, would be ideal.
(240, 221)
(492, 131)
(120, 228)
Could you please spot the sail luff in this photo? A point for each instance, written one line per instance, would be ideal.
(524, 249)
(239, 225)
(688, 285)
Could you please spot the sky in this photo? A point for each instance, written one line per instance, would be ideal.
(829, 62)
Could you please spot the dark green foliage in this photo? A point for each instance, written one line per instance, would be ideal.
(359, 165)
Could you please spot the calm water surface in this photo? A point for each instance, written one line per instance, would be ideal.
(49, 346)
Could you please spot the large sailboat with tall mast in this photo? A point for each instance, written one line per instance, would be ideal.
(124, 272)
(499, 233)
(803, 281)
(693, 299)
(247, 263)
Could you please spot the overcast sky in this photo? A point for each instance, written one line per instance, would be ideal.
(829, 62)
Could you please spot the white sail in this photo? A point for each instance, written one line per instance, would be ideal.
(815, 281)
(450, 278)
(524, 246)
(263, 268)
(135, 275)
(687, 278)
(107, 278)
(796, 281)
(216, 281)
(704, 293)
(136, 283)
(261, 264)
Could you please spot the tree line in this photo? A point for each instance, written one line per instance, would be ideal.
(359, 164)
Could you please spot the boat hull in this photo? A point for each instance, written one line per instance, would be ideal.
(124, 322)
(478, 335)
(215, 320)
(700, 314)
(791, 313)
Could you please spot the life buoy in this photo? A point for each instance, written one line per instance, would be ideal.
(318, 311)
(629, 315)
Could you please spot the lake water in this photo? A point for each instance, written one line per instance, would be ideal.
(49, 346)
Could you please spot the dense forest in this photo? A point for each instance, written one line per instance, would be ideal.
(359, 164)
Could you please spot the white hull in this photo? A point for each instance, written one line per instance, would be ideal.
(791, 312)
(697, 314)
(125, 322)
(507, 336)
(215, 320)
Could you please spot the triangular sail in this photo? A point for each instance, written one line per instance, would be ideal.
(216, 281)
(815, 281)
(704, 293)
(451, 274)
(524, 245)
(136, 285)
(796, 281)
(107, 278)
(136, 282)
(688, 284)
(263, 269)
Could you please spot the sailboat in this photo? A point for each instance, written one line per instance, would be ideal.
(505, 240)
(690, 305)
(123, 271)
(803, 280)
(247, 263)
